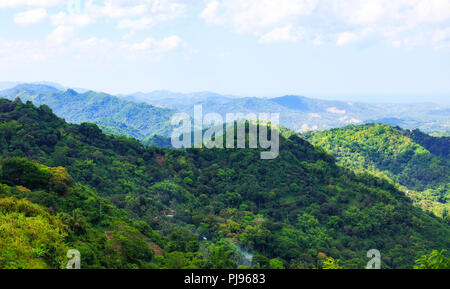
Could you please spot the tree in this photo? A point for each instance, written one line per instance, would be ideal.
(30, 237)
(435, 260)
(218, 257)
(20, 171)
(330, 263)
(275, 264)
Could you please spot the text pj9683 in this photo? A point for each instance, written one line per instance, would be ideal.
(237, 279)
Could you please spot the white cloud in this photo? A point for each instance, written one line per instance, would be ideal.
(169, 43)
(151, 45)
(343, 22)
(253, 15)
(346, 38)
(432, 10)
(137, 13)
(282, 34)
(30, 17)
(62, 43)
(30, 3)
(62, 40)
(19, 51)
(64, 19)
(139, 24)
(115, 10)
(130, 14)
(441, 38)
(61, 34)
(120, 12)
(211, 11)
(318, 40)
(155, 12)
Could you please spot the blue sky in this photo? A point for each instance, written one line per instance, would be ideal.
(366, 50)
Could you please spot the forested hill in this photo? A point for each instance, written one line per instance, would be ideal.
(413, 159)
(114, 115)
(199, 208)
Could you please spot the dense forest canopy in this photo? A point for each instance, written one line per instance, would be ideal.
(417, 161)
(125, 205)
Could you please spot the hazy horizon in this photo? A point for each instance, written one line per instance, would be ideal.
(361, 97)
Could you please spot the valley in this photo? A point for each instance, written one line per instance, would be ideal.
(112, 196)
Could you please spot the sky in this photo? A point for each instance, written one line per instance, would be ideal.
(361, 50)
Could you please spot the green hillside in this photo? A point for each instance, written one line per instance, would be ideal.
(114, 115)
(418, 162)
(124, 205)
(65, 215)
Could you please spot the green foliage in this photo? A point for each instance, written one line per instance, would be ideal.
(60, 181)
(418, 162)
(435, 260)
(112, 114)
(182, 240)
(29, 237)
(330, 263)
(157, 140)
(275, 264)
(219, 257)
(126, 205)
(20, 171)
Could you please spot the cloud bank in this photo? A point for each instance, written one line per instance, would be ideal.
(341, 22)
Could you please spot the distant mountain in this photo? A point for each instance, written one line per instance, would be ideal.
(11, 84)
(169, 95)
(388, 120)
(177, 101)
(441, 134)
(305, 104)
(8, 84)
(415, 160)
(293, 102)
(112, 114)
(29, 88)
(302, 114)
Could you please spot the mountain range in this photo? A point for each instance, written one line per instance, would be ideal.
(126, 205)
(144, 115)
(424, 174)
(302, 114)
